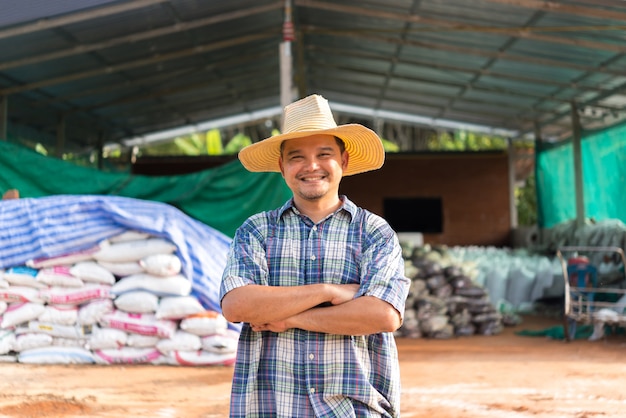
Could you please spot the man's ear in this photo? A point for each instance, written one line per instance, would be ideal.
(280, 165)
(345, 157)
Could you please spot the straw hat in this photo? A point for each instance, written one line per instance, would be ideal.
(312, 116)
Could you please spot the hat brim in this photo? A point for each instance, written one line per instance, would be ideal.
(362, 144)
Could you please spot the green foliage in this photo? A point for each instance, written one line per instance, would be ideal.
(390, 146)
(526, 202)
(205, 143)
(214, 142)
(173, 148)
(191, 144)
(41, 149)
(465, 141)
(237, 143)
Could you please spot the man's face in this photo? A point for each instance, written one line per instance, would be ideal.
(313, 166)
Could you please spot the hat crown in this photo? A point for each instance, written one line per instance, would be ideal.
(309, 114)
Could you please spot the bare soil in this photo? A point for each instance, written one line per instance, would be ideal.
(502, 376)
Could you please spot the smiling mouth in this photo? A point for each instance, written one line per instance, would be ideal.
(312, 179)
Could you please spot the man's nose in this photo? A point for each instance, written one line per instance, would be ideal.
(312, 163)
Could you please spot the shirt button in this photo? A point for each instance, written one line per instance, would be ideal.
(311, 356)
(312, 391)
(313, 257)
(314, 228)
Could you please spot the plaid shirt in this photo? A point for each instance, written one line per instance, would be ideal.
(300, 373)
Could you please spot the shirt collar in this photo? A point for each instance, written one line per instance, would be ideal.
(348, 206)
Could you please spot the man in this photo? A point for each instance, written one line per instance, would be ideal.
(318, 283)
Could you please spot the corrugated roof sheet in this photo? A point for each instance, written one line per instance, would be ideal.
(125, 69)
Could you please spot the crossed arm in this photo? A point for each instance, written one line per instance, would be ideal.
(274, 308)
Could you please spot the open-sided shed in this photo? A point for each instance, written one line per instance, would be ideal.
(76, 74)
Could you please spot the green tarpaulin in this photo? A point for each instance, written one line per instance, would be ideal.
(221, 197)
(604, 179)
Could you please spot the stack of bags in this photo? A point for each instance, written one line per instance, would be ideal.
(124, 301)
(444, 301)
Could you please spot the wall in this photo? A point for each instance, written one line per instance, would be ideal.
(474, 189)
(166, 166)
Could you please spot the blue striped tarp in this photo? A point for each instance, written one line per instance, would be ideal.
(51, 226)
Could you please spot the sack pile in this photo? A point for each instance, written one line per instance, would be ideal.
(444, 301)
(123, 301)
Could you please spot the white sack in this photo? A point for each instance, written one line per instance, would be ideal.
(19, 313)
(32, 340)
(178, 307)
(127, 355)
(176, 285)
(161, 264)
(56, 355)
(134, 250)
(90, 313)
(92, 272)
(181, 340)
(58, 276)
(138, 301)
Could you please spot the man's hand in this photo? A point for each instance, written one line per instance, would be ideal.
(278, 326)
(344, 293)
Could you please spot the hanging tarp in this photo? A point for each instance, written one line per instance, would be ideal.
(604, 179)
(52, 226)
(221, 197)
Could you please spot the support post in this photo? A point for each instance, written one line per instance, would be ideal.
(512, 202)
(286, 62)
(538, 149)
(60, 136)
(100, 150)
(4, 105)
(578, 170)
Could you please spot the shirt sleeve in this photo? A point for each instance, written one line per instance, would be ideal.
(382, 265)
(246, 263)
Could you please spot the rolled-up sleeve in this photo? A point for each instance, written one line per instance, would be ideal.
(246, 263)
(382, 265)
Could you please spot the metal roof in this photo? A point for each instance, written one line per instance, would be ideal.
(112, 71)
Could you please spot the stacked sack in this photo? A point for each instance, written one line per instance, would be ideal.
(123, 301)
(444, 301)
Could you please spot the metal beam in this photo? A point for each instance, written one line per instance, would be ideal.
(141, 36)
(393, 59)
(560, 7)
(54, 22)
(552, 63)
(438, 24)
(165, 91)
(196, 50)
(471, 84)
(445, 67)
(461, 85)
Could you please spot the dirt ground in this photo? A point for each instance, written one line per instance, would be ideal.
(503, 376)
